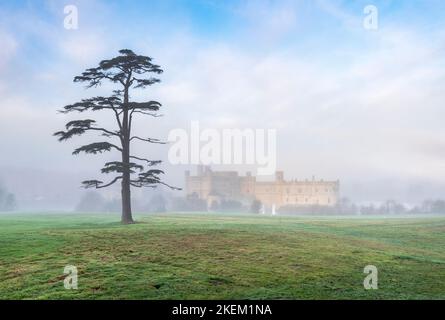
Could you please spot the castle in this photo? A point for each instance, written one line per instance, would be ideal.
(215, 186)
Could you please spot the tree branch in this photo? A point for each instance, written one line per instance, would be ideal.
(97, 147)
(99, 184)
(150, 140)
(120, 167)
(154, 115)
(149, 162)
(151, 178)
(79, 127)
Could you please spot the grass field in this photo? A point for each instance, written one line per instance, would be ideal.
(208, 256)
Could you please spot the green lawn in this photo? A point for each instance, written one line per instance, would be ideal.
(209, 256)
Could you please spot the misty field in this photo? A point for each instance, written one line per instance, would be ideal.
(209, 256)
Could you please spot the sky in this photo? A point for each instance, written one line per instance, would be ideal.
(362, 106)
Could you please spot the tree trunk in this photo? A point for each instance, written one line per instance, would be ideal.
(126, 202)
(126, 192)
(127, 217)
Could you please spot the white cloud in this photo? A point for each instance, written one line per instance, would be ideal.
(83, 48)
(270, 19)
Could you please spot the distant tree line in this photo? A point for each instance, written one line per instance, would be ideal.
(7, 200)
(166, 202)
(389, 207)
(93, 201)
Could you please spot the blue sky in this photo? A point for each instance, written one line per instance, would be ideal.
(364, 106)
(327, 23)
(311, 28)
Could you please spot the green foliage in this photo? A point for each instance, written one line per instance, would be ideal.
(119, 167)
(94, 148)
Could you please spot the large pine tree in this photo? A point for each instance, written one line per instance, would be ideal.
(128, 71)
